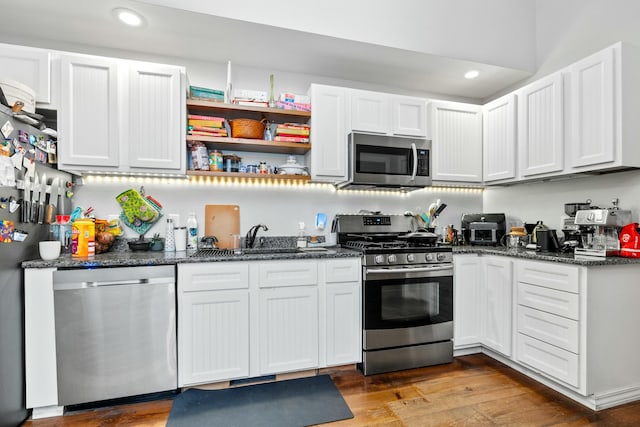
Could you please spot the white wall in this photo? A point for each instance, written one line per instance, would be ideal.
(280, 209)
(545, 200)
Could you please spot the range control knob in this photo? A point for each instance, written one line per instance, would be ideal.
(429, 258)
(591, 217)
(441, 257)
(411, 257)
(392, 259)
(379, 259)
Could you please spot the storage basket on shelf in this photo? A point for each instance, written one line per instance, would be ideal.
(247, 128)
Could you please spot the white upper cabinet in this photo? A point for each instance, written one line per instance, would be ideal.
(328, 156)
(155, 109)
(119, 115)
(456, 141)
(387, 114)
(370, 111)
(499, 139)
(603, 109)
(88, 128)
(409, 116)
(592, 110)
(29, 66)
(540, 127)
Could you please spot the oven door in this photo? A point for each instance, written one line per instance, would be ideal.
(389, 161)
(407, 306)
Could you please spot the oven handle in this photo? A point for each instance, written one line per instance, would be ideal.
(415, 161)
(439, 270)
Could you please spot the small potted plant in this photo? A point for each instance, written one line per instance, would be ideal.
(156, 243)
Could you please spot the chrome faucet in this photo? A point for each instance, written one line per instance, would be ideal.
(250, 238)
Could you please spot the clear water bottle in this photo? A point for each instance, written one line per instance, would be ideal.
(169, 237)
(192, 232)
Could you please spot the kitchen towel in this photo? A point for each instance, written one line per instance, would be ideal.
(291, 403)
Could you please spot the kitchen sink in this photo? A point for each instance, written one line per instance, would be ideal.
(250, 251)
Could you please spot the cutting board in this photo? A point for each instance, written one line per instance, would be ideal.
(222, 221)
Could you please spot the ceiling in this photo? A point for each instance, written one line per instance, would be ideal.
(183, 34)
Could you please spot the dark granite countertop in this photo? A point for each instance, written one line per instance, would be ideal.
(563, 258)
(128, 258)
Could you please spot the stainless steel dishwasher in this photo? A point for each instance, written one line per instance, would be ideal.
(115, 332)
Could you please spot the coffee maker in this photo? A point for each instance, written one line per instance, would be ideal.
(600, 229)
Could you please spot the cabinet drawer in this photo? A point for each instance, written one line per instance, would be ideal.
(549, 275)
(550, 300)
(213, 276)
(555, 330)
(288, 273)
(553, 361)
(343, 270)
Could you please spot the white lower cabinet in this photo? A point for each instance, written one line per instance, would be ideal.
(288, 329)
(342, 312)
(246, 319)
(497, 305)
(467, 280)
(213, 322)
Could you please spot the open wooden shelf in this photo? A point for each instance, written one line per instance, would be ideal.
(233, 111)
(260, 145)
(248, 175)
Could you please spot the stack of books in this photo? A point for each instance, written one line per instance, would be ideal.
(291, 101)
(292, 132)
(206, 94)
(250, 98)
(206, 126)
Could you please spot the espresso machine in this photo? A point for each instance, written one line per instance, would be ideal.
(600, 229)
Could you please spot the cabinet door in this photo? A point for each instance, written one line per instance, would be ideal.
(29, 66)
(88, 118)
(156, 135)
(457, 142)
(467, 288)
(409, 116)
(540, 130)
(498, 306)
(499, 141)
(591, 102)
(214, 336)
(370, 111)
(328, 155)
(288, 329)
(344, 330)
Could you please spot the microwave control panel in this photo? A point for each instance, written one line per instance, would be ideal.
(423, 163)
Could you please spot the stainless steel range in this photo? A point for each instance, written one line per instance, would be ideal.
(407, 291)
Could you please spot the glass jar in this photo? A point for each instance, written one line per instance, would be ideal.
(215, 161)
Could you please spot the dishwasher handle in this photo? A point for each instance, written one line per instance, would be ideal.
(95, 284)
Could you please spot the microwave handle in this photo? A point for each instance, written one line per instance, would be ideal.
(415, 161)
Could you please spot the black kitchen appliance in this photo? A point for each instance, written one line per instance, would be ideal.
(483, 228)
(407, 292)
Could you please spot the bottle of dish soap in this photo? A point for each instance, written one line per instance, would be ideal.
(301, 241)
(192, 232)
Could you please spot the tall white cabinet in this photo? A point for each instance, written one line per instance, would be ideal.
(468, 300)
(540, 126)
(498, 304)
(456, 141)
(328, 157)
(499, 139)
(120, 116)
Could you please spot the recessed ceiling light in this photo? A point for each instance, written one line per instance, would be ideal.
(471, 74)
(129, 17)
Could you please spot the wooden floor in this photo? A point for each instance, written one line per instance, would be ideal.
(474, 390)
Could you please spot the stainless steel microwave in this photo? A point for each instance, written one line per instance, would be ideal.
(388, 161)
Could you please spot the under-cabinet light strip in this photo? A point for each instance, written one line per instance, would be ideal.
(267, 183)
